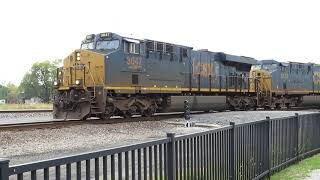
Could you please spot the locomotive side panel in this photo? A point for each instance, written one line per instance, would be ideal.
(299, 79)
(125, 70)
(316, 79)
(233, 72)
(279, 81)
(289, 78)
(153, 70)
(165, 71)
(206, 72)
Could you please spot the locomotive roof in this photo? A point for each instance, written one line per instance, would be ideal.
(271, 61)
(148, 40)
(178, 45)
(136, 40)
(220, 56)
(241, 59)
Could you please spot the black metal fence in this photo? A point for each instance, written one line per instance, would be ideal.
(244, 151)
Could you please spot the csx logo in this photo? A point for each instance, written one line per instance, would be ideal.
(204, 69)
(134, 62)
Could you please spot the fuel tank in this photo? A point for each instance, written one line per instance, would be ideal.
(311, 100)
(196, 103)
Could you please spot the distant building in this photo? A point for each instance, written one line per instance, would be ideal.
(2, 101)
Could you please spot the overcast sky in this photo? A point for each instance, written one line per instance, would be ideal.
(285, 30)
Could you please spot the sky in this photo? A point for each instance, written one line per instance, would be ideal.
(37, 30)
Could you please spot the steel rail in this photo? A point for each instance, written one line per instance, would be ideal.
(67, 123)
(113, 120)
(25, 110)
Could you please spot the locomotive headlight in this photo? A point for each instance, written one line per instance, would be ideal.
(77, 82)
(78, 56)
(55, 83)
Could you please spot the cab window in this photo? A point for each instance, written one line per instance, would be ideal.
(88, 45)
(150, 46)
(107, 45)
(131, 46)
(134, 48)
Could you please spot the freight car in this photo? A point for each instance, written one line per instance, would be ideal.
(114, 75)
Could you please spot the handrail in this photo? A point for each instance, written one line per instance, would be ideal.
(94, 83)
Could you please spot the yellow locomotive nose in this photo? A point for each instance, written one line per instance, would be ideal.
(77, 82)
(81, 69)
(262, 77)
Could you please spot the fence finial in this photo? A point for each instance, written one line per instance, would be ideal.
(4, 169)
(171, 157)
(170, 135)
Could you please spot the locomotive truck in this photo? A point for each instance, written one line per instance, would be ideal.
(112, 75)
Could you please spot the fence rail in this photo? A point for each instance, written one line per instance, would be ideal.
(237, 152)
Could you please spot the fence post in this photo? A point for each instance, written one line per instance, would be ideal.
(298, 136)
(4, 169)
(269, 147)
(171, 159)
(231, 153)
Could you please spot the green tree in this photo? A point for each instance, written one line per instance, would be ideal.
(3, 92)
(39, 80)
(13, 93)
(29, 86)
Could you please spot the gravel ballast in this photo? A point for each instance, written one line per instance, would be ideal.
(11, 118)
(39, 144)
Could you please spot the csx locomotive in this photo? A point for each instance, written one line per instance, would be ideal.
(114, 75)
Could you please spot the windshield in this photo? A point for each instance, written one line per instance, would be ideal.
(255, 67)
(270, 67)
(110, 44)
(87, 45)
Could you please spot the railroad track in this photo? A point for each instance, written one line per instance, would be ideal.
(113, 120)
(26, 111)
(67, 123)
(291, 109)
(50, 110)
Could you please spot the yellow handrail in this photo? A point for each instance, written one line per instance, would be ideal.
(94, 83)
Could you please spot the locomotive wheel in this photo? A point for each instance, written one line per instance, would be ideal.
(109, 111)
(149, 112)
(267, 107)
(126, 114)
(134, 109)
(288, 105)
(243, 105)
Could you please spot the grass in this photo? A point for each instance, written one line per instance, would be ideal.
(299, 170)
(25, 106)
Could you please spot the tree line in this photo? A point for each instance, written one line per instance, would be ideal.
(37, 82)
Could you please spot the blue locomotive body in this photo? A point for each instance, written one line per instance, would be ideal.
(290, 78)
(115, 75)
